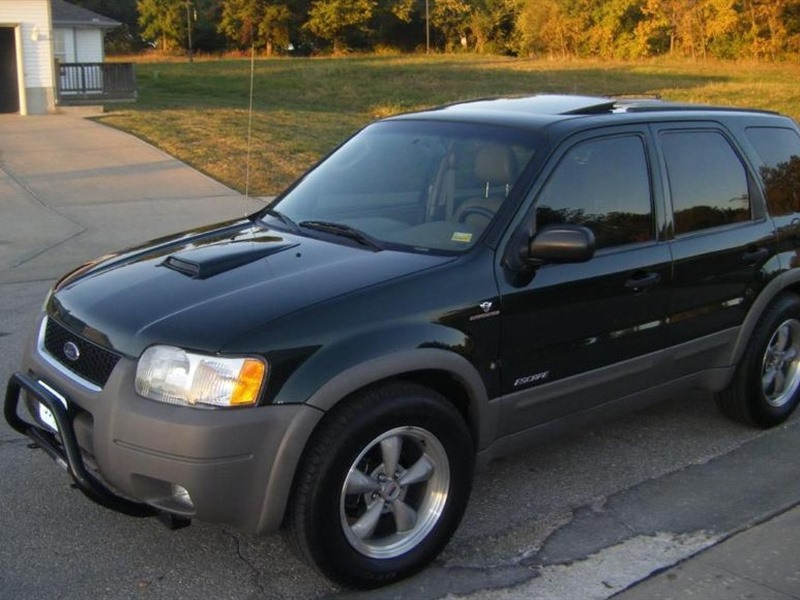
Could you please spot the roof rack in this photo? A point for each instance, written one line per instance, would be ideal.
(640, 105)
(576, 105)
(638, 96)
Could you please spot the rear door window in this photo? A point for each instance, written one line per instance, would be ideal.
(707, 180)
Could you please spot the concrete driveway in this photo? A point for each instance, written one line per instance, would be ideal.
(71, 189)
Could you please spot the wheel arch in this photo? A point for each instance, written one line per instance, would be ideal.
(445, 372)
(788, 281)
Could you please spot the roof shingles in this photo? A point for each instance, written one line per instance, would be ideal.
(69, 15)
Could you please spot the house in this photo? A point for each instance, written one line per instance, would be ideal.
(78, 33)
(51, 53)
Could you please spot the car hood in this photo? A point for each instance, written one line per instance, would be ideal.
(201, 288)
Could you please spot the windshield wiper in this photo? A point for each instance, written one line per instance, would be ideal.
(343, 230)
(294, 227)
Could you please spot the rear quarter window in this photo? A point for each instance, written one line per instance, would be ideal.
(779, 150)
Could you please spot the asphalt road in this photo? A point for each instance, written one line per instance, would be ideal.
(585, 515)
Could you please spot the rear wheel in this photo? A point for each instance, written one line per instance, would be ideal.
(382, 486)
(766, 387)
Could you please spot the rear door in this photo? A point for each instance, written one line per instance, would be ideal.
(778, 149)
(573, 335)
(722, 241)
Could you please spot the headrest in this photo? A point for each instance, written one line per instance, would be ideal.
(495, 163)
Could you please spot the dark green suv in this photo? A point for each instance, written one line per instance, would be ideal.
(446, 287)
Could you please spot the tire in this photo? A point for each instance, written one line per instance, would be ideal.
(356, 523)
(766, 387)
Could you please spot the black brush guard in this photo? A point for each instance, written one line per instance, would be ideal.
(63, 448)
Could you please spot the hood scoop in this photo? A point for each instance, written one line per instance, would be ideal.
(207, 261)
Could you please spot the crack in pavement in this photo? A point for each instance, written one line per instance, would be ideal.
(38, 253)
(260, 590)
(603, 573)
(31, 194)
(20, 183)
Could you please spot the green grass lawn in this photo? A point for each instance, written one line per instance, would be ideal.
(303, 107)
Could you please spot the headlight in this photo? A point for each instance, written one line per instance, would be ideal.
(172, 375)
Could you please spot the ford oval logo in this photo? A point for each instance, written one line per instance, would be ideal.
(71, 351)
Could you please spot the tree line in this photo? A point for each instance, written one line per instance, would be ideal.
(730, 29)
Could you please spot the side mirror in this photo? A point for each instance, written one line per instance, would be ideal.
(553, 244)
(561, 244)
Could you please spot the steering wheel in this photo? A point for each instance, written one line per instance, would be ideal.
(474, 209)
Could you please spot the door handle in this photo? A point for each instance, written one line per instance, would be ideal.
(642, 280)
(754, 255)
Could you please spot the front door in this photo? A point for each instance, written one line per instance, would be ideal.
(575, 326)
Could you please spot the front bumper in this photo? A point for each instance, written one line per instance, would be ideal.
(63, 447)
(232, 466)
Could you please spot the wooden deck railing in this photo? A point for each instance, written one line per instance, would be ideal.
(88, 83)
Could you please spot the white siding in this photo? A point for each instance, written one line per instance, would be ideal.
(32, 15)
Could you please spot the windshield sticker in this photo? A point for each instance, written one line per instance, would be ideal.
(459, 236)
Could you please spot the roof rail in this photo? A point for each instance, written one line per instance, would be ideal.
(640, 105)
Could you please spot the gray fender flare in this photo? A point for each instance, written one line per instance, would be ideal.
(764, 299)
(483, 418)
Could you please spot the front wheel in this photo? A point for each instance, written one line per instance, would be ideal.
(766, 387)
(382, 486)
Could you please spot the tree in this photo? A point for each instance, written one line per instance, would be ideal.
(274, 26)
(612, 31)
(692, 25)
(765, 26)
(713, 21)
(257, 22)
(393, 16)
(662, 19)
(491, 23)
(451, 18)
(545, 27)
(239, 20)
(163, 20)
(331, 19)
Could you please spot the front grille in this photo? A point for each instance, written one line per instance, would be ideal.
(94, 363)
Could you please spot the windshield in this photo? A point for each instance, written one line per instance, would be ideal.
(411, 185)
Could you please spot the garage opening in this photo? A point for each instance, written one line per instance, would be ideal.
(9, 84)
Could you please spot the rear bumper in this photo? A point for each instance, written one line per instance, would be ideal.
(135, 455)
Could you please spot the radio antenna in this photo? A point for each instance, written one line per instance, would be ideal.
(250, 123)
